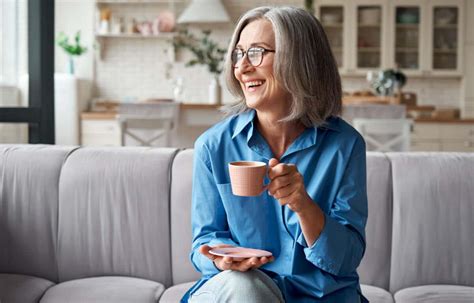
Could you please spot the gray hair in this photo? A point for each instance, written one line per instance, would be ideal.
(304, 65)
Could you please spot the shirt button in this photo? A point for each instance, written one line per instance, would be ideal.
(319, 261)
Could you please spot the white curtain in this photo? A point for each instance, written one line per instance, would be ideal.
(9, 45)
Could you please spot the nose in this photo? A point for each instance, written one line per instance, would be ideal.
(244, 65)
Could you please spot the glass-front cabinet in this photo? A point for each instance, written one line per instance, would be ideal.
(333, 17)
(421, 37)
(369, 36)
(445, 37)
(407, 32)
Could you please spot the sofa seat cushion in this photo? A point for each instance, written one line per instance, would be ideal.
(376, 294)
(104, 289)
(175, 293)
(435, 294)
(372, 293)
(21, 288)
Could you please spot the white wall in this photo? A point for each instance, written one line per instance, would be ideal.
(70, 17)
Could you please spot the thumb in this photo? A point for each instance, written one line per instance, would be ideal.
(273, 162)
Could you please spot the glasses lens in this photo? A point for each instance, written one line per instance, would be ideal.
(255, 55)
(237, 55)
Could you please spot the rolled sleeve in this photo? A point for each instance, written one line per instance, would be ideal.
(341, 244)
(208, 217)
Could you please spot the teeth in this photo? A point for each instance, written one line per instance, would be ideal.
(253, 83)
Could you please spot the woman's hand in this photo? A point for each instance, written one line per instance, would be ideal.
(287, 186)
(237, 264)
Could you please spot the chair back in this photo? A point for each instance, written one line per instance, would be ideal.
(385, 135)
(148, 124)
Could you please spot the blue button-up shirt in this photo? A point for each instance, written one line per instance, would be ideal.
(331, 159)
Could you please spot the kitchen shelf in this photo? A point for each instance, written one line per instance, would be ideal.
(408, 26)
(406, 50)
(368, 49)
(162, 36)
(444, 51)
(138, 1)
(138, 36)
(332, 25)
(446, 26)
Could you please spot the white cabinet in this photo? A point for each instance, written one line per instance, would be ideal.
(101, 132)
(422, 37)
(443, 137)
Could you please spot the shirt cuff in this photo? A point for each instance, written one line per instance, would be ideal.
(327, 252)
(205, 265)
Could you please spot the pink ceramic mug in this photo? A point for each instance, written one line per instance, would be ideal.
(246, 178)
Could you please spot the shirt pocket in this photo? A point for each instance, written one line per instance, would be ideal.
(252, 220)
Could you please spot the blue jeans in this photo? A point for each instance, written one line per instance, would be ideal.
(234, 286)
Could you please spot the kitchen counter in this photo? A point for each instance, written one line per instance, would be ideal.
(447, 121)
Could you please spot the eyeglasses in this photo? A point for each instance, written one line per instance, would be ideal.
(254, 55)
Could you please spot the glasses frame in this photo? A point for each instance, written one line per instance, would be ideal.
(262, 50)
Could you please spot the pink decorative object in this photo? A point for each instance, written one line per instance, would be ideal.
(247, 177)
(145, 28)
(166, 22)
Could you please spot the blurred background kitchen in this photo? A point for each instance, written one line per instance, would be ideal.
(134, 72)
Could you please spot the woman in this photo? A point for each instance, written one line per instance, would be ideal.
(313, 215)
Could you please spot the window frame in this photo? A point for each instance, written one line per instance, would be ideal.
(40, 111)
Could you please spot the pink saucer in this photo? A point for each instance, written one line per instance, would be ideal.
(239, 252)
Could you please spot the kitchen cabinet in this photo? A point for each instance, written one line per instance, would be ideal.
(443, 136)
(103, 131)
(422, 37)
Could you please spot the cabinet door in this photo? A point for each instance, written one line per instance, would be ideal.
(406, 32)
(370, 33)
(334, 18)
(100, 133)
(446, 21)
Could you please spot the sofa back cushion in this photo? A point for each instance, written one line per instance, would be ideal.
(375, 266)
(181, 235)
(114, 214)
(29, 177)
(433, 219)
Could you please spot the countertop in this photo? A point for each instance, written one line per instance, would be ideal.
(113, 115)
(109, 115)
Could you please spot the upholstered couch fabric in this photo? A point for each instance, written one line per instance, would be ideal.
(433, 219)
(113, 225)
(29, 178)
(105, 289)
(21, 288)
(114, 218)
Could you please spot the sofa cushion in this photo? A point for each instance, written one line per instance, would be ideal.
(114, 214)
(181, 237)
(22, 289)
(105, 289)
(29, 177)
(433, 219)
(376, 294)
(175, 293)
(436, 294)
(375, 266)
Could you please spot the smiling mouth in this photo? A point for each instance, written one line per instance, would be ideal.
(252, 85)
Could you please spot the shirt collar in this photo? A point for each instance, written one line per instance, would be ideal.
(243, 120)
(246, 118)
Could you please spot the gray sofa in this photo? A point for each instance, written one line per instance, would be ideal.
(113, 225)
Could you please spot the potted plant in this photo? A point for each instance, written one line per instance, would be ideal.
(205, 52)
(72, 49)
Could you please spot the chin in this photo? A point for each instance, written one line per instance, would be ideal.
(254, 102)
